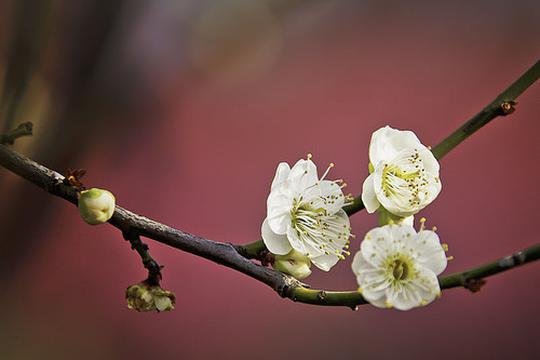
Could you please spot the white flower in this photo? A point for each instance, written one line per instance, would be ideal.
(304, 213)
(96, 206)
(405, 176)
(398, 267)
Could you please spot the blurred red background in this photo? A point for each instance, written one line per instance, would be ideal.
(183, 110)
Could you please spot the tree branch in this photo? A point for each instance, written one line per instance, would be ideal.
(133, 225)
(237, 257)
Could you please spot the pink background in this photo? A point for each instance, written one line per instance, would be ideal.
(196, 145)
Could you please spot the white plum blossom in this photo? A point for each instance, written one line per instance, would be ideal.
(305, 213)
(398, 267)
(404, 175)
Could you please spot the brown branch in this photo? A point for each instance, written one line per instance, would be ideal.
(133, 225)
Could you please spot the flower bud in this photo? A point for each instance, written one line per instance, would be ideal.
(386, 217)
(294, 264)
(143, 297)
(96, 206)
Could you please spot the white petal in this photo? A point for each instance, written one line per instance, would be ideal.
(406, 298)
(278, 211)
(402, 234)
(303, 175)
(371, 281)
(376, 244)
(359, 263)
(276, 244)
(295, 241)
(325, 262)
(428, 159)
(327, 195)
(426, 285)
(369, 198)
(409, 220)
(433, 189)
(396, 205)
(387, 142)
(430, 253)
(282, 172)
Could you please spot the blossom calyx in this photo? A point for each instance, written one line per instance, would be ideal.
(294, 264)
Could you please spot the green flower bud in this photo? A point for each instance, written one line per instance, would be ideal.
(143, 297)
(96, 206)
(294, 264)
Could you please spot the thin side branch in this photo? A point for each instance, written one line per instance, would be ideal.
(24, 129)
(154, 269)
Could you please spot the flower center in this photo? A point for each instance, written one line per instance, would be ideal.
(399, 268)
(317, 229)
(405, 180)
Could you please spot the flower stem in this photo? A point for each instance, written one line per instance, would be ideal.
(154, 269)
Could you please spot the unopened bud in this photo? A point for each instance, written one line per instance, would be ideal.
(96, 206)
(294, 264)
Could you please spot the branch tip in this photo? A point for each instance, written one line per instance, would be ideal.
(24, 129)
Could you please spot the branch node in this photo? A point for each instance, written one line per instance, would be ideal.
(474, 285)
(508, 107)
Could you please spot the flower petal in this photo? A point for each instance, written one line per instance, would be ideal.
(397, 205)
(377, 243)
(276, 244)
(426, 285)
(325, 194)
(405, 298)
(369, 197)
(371, 281)
(387, 142)
(282, 172)
(303, 175)
(430, 253)
(278, 211)
(325, 262)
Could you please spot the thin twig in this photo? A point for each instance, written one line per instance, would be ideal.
(24, 129)
(154, 269)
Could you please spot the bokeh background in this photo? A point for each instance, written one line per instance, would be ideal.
(184, 108)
